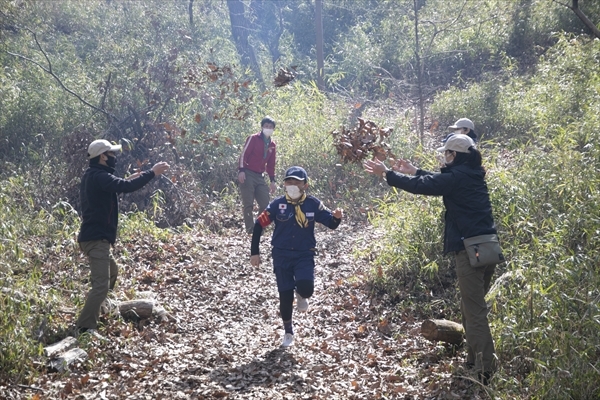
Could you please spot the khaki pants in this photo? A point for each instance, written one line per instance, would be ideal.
(103, 276)
(254, 187)
(474, 284)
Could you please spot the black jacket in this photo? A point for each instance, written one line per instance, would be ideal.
(465, 195)
(100, 204)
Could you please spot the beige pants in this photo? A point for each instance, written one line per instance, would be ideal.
(103, 276)
(474, 284)
(254, 187)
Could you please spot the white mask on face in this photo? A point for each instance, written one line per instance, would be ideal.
(267, 132)
(293, 191)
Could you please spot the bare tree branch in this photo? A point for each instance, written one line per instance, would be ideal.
(586, 21)
(49, 70)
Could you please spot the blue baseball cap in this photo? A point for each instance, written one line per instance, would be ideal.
(296, 173)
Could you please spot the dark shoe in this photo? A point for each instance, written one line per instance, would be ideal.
(484, 377)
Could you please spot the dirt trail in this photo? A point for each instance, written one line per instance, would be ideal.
(225, 343)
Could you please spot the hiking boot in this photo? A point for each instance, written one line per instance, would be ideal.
(301, 303)
(288, 340)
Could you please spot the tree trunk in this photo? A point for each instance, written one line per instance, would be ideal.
(240, 30)
(320, 55)
(266, 12)
(442, 330)
(420, 70)
(136, 309)
(191, 13)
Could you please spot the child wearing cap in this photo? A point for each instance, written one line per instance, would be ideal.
(294, 243)
(461, 183)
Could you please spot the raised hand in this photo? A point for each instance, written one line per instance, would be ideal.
(338, 213)
(160, 168)
(374, 167)
(404, 167)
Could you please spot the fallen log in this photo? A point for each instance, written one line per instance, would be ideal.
(136, 309)
(62, 363)
(60, 347)
(442, 330)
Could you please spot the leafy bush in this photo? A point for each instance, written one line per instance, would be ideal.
(41, 238)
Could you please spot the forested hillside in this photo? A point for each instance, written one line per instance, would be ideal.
(186, 81)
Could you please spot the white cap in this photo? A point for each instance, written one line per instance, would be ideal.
(463, 123)
(458, 142)
(100, 146)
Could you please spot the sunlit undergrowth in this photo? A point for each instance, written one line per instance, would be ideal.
(39, 265)
(29, 237)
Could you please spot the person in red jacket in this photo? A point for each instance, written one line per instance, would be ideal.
(258, 157)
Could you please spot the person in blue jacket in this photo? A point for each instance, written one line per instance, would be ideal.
(294, 243)
(99, 215)
(461, 183)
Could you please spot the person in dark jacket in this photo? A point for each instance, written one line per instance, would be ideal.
(100, 214)
(468, 213)
(294, 243)
(258, 157)
(464, 126)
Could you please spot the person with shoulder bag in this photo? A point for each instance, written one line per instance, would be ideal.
(461, 183)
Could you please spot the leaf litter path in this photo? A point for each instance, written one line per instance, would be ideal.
(225, 343)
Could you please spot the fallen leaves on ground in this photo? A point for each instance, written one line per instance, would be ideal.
(224, 342)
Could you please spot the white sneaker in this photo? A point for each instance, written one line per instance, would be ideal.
(288, 340)
(301, 303)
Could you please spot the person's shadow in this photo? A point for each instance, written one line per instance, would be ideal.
(275, 367)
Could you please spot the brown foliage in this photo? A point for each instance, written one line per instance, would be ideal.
(355, 144)
(285, 76)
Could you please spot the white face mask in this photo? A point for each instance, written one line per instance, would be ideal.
(293, 191)
(267, 132)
